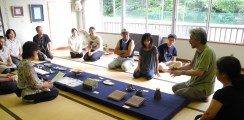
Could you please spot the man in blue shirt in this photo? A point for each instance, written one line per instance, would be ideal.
(167, 54)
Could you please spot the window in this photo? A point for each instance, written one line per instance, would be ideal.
(111, 16)
(135, 15)
(160, 17)
(226, 24)
(222, 19)
(191, 14)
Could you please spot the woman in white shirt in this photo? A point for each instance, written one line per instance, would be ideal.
(95, 46)
(14, 46)
(6, 64)
(75, 44)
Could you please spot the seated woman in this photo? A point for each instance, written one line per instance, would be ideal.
(14, 46)
(6, 64)
(75, 44)
(168, 54)
(227, 102)
(32, 88)
(148, 59)
(95, 46)
(7, 84)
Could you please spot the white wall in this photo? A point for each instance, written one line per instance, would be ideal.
(93, 16)
(25, 30)
(184, 49)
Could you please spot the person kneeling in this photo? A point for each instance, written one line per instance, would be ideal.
(30, 87)
(148, 59)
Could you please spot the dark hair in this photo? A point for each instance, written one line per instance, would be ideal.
(146, 36)
(73, 30)
(231, 66)
(199, 34)
(1, 37)
(92, 28)
(172, 36)
(37, 27)
(28, 48)
(8, 32)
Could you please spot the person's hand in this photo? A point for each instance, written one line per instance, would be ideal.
(174, 73)
(9, 64)
(157, 73)
(20, 57)
(6, 75)
(47, 84)
(90, 53)
(137, 69)
(173, 68)
(40, 53)
(11, 79)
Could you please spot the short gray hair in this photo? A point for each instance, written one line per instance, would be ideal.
(199, 34)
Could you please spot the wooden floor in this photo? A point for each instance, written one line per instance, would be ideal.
(73, 107)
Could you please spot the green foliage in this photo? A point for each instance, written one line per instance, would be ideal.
(227, 6)
(223, 11)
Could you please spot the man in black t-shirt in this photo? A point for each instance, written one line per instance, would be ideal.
(44, 44)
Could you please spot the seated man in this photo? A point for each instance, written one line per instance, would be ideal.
(44, 43)
(167, 54)
(201, 69)
(124, 49)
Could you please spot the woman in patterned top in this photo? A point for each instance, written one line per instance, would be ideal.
(32, 88)
(148, 59)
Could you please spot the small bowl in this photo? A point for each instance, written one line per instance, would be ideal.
(76, 71)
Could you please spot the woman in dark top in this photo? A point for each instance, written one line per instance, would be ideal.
(228, 102)
(148, 59)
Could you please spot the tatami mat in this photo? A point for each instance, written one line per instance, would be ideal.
(106, 59)
(70, 106)
(4, 115)
(59, 109)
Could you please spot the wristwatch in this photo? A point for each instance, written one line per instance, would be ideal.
(183, 72)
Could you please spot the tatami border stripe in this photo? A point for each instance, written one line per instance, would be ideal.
(106, 67)
(10, 112)
(70, 98)
(195, 109)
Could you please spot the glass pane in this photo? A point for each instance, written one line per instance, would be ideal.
(191, 14)
(135, 15)
(227, 21)
(160, 17)
(111, 16)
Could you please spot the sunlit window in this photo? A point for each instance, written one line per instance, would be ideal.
(191, 14)
(227, 21)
